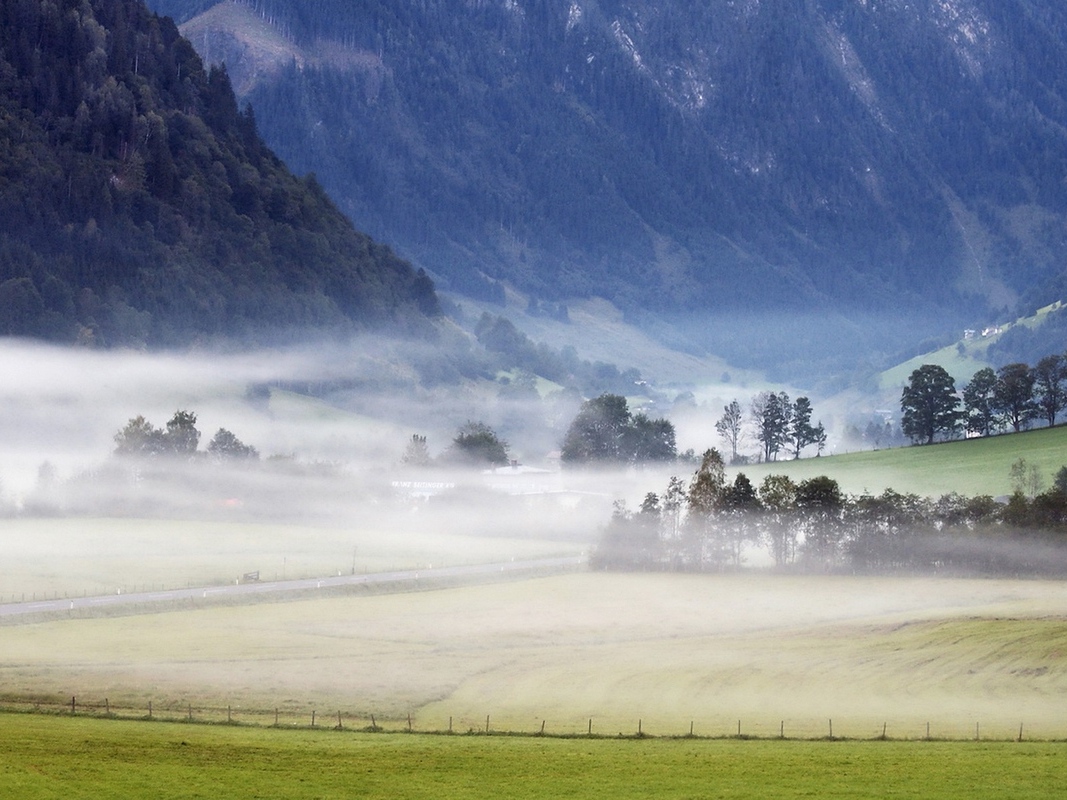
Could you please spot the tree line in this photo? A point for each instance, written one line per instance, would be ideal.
(1014, 396)
(711, 524)
(777, 423)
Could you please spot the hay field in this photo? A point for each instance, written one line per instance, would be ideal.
(610, 650)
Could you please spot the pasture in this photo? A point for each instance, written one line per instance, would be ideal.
(610, 653)
(45, 757)
(969, 467)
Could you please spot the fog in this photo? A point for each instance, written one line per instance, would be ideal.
(330, 422)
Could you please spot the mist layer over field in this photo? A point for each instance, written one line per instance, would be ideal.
(668, 650)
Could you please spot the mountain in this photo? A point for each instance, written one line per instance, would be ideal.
(881, 169)
(141, 207)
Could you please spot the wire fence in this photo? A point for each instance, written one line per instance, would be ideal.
(340, 720)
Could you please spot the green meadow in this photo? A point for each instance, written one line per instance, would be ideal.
(969, 467)
(53, 757)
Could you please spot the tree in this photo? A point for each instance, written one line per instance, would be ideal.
(416, 454)
(598, 433)
(674, 498)
(224, 446)
(651, 440)
(820, 502)
(777, 495)
(1049, 395)
(139, 438)
(705, 492)
(801, 432)
(981, 413)
(181, 437)
(477, 444)
(739, 504)
(772, 415)
(929, 404)
(605, 432)
(1013, 394)
(630, 540)
(729, 427)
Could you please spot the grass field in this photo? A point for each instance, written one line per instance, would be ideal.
(970, 467)
(662, 652)
(53, 757)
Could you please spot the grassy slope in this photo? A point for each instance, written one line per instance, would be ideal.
(75, 758)
(971, 467)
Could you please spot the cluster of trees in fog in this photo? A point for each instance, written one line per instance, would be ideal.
(474, 445)
(1016, 396)
(603, 433)
(777, 423)
(710, 524)
(179, 439)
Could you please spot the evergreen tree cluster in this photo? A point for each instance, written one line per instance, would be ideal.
(140, 205)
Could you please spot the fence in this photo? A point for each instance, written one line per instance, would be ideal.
(339, 720)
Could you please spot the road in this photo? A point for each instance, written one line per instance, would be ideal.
(401, 579)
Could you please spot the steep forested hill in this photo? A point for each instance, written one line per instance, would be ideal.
(138, 205)
(899, 163)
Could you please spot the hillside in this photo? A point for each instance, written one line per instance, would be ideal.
(787, 177)
(968, 467)
(141, 207)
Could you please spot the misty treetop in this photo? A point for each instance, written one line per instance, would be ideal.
(606, 433)
(139, 439)
(141, 207)
(812, 526)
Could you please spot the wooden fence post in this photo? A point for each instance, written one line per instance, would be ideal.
(73, 704)
(312, 718)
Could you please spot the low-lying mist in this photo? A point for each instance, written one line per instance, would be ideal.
(331, 425)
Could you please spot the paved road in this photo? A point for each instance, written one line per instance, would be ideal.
(403, 579)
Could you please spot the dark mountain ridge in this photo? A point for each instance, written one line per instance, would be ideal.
(141, 207)
(879, 160)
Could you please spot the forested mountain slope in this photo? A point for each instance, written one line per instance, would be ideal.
(897, 164)
(140, 206)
